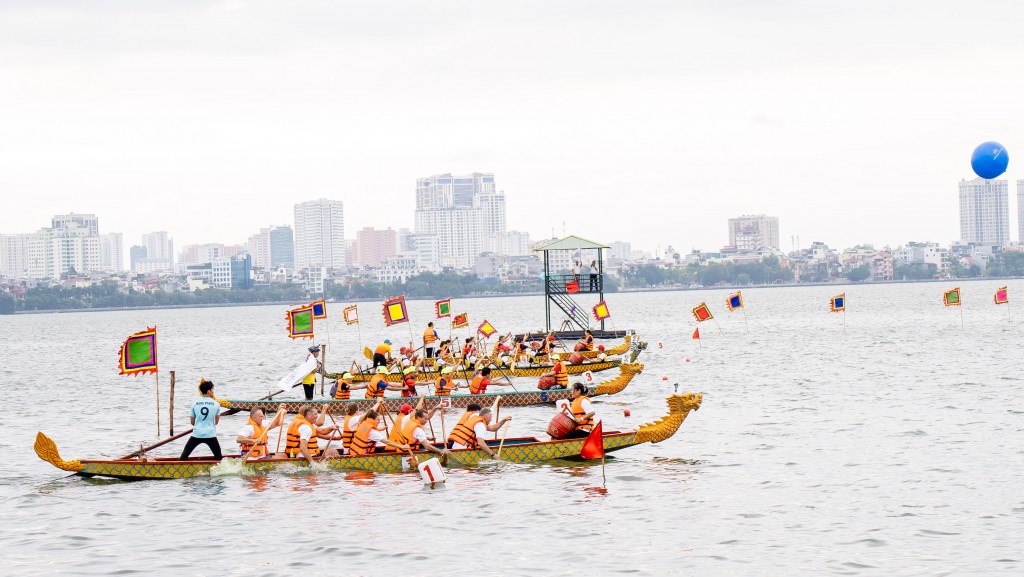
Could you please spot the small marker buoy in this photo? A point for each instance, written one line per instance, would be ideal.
(625, 412)
(664, 378)
(687, 359)
(660, 345)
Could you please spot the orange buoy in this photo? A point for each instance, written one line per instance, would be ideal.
(625, 412)
(664, 378)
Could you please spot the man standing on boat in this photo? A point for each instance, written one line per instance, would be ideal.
(382, 354)
(309, 381)
(429, 340)
(205, 415)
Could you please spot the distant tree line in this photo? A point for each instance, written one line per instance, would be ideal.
(444, 284)
(768, 271)
(108, 296)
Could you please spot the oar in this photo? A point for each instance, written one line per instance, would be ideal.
(189, 432)
(266, 432)
(502, 443)
(328, 445)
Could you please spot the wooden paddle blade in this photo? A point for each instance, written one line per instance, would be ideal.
(368, 353)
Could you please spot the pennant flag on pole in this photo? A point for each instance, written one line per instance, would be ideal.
(394, 311)
(300, 322)
(138, 353)
(319, 309)
(951, 298)
(1002, 296)
(351, 315)
(486, 329)
(443, 308)
(460, 320)
(735, 301)
(838, 303)
(593, 447)
(696, 333)
(702, 313)
(601, 311)
(572, 287)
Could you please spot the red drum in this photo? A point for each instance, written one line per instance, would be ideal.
(576, 358)
(579, 347)
(560, 426)
(546, 383)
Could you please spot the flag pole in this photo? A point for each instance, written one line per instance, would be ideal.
(1008, 321)
(844, 318)
(961, 307)
(157, 375)
(745, 325)
(718, 325)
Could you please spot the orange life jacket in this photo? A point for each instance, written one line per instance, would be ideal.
(478, 386)
(545, 347)
(588, 343)
(292, 443)
(343, 393)
(260, 448)
(361, 443)
(561, 375)
(578, 412)
(396, 435)
(442, 387)
(347, 432)
(410, 426)
(464, 432)
(429, 336)
(376, 387)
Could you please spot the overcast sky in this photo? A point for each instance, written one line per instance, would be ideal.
(651, 122)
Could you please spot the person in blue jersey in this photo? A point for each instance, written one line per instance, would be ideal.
(205, 415)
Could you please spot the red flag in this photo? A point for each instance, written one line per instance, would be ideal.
(593, 447)
(696, 333)
(572, 287)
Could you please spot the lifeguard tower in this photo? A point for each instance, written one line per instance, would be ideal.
(561, 286)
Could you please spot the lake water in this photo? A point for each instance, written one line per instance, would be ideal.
(893, 448)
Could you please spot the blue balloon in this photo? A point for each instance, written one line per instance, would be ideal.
(990, 159)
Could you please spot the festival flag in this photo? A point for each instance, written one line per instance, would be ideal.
(593, 447)
(351, 315)
(319, 309)
(838, 303)
(702, 313)
(138, 353)
(572, 287)
(696, 333)
(951, 298)
(601, 311)
(300, 322)
(394, 311)
(460, 320)
(486, 329)
(735, 301)
(443, 308)
(1002, 296)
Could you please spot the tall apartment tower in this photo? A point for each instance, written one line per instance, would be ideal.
(259, 247)
(449, 191)
(112, 252)
(751, 232)
(159, 245)
(375, 245)
(282, 247)
(1020, 210)
(320, 234)
(87, 221)
(984, 212)
(461, 211)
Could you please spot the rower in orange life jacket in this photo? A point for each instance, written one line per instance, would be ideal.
(252, 438)
(409, 382)
(445, 384)
(472, 426)
(582, 412)
(366, 437)
(586, 343)
(350, 423)
(556, 378)
(382, 354)
(415, 436)
(301, 439)
(378, 384)
(478, 385)
(345, 387)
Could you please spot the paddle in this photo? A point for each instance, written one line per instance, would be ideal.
(502, 443)
(280, 415)
(328, 445)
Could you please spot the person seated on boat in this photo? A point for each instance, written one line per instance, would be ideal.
(415, 436)
(543, 354)
(469, 351)
(382, 354)
(409, 382)
(500, 351)
(252, 438)
(302, 435)
(444, 352)
(586, 343)
(395, 434)
(345, 386)
(350, 422)
(378, 384)
(368, 438)
(523, 352)
(444, 384)
(556, 378)
(472, 429)
(481, 380)
(582, 411)
(205, 416)
(309, 381)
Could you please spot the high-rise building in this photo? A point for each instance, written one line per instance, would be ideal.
(320, 234)
(53, 252)
(752, 232)
(620, 250)
(458, 231)
(492, 207)
(159, 252)
(14, 255)
(373, 246)
(282, 247)
(259, 248)
(135, 254)
(1020, 211)
(234, 272)
(112, 252)
(86, 221)
(984, 212)
(449, 191)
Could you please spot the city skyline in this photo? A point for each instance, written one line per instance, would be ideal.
(219, 131)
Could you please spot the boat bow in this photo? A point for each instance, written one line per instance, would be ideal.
(679, 405)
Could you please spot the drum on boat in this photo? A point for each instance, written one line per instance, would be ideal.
(560, 426)
(576, 358)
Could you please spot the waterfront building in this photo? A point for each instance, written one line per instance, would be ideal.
(450, 191)
(233, 272)
(53, 252)
(373, 246)
(14, 255)
(135, 254)
(984, 212)
(282, 247)
(112, 252)
(259, 247)
(751, 232)
(159, 252)
(320, 234)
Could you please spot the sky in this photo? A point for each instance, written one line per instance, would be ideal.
(651, 122)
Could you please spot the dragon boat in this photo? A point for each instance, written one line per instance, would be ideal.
(508, 399)
(627, 344)
(511, 371)
(518, 450)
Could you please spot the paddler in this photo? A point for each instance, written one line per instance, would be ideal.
(586, 343)
(429, 340)
(345, 387)
(582, 412)
(367, 437)
(472, 429)
(444, 384)
(303, 432)
(382, 354)
(469, 351)
(481, 380)
(556, 378)
(544, 349)
(252, 438)
(309, 381)
(351, 423)
(409, 382)
(414, 434)
(379, 383)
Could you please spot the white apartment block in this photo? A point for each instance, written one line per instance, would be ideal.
(1020, 211)
(459, 234)
(751, 232)
(259, 248)
(53, 252)
(423, 247)
(511, 243)
(86, 221)
(620, 250)
(320, 234)
(984, 212)
(396, 269)
(14, 262)
(159, 246)
(112, 252)
(492, 207)
(451, 191)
